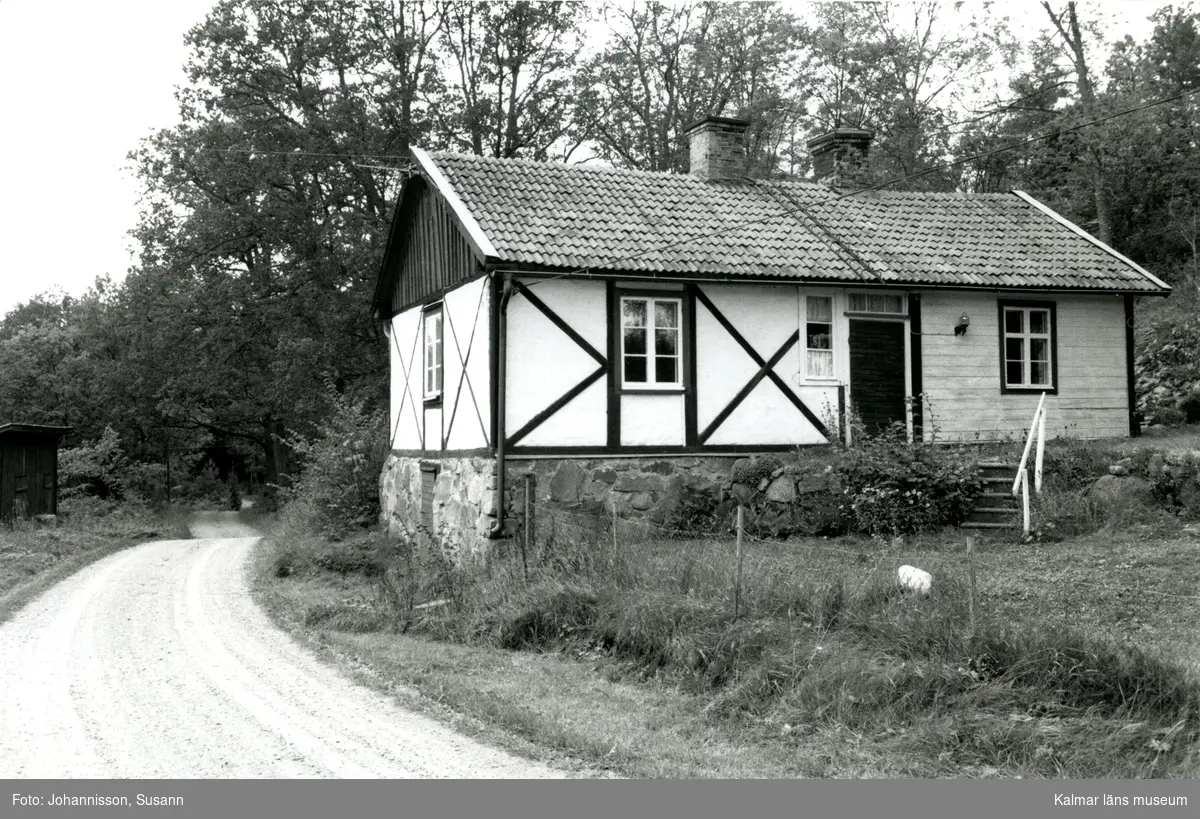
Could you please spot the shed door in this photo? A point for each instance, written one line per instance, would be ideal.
(877, 370)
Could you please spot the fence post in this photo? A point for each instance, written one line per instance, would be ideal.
(841, 394)
(527, 541)
(971, 575)
(616, 547)
(737, 583)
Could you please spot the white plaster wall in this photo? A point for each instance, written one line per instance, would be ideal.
(652, 420)
(466, 403)
(406, 417)
(433, 427)
(766, 316)
(582, 422)
(962, 374)
(544, 363)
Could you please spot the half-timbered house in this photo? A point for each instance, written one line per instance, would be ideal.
(620, 333)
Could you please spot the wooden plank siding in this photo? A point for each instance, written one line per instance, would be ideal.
(961, 374)
(29, 473)
(435, 257)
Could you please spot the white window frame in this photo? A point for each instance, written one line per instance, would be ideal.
(433, 370)
(651, 384)
(833, 335)
(1027, 336)
(900, 297)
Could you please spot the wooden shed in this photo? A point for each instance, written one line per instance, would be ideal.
(29, 469)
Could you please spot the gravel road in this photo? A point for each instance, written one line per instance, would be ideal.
(155, 663)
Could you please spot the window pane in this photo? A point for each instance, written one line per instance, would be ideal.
(1014, 321)
(876, 303)
(666, 314)
(1014, 373)
(819, 336)
(665, 369)
(666, 342)
(635, 341)
(820, 363)
(1039, 349)
(1039, 373)
(820, 308)
(633, 312)
(1014, 349)
(635, 368)
(1039, 321)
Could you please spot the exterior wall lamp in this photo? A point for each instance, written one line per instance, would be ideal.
(964, 321)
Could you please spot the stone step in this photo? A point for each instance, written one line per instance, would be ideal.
(1003, 499)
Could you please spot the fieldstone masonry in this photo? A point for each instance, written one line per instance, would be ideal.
(463, 506)
(462, 501)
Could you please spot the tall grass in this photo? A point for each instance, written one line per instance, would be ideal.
(825, 641)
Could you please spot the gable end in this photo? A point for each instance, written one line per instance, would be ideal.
(427, 251)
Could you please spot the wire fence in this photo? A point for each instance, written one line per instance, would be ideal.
(753, 575)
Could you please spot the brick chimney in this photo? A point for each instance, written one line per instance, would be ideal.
(718, 150)
(840, 157)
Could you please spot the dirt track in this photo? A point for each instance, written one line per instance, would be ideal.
(155, 663)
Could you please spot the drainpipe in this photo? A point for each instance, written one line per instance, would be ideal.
(497, 530)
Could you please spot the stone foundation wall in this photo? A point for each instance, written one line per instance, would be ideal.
(462, 509)
(637, 487)
(458, 515)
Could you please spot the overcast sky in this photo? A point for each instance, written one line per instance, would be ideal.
(81, 82)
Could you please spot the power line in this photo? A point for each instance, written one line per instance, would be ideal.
(792, 211)
(342, 155)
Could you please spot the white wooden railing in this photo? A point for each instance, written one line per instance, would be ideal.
(1021, 483)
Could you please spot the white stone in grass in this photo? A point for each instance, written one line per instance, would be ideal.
(915, 580)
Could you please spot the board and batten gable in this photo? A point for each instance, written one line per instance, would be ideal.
(431, 249)
(961, 375)
(438, 286)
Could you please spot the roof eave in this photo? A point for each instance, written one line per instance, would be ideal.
(1163, 288)
(474, 231)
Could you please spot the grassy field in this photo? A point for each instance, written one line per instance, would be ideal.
(1082, 661)
(34, 556)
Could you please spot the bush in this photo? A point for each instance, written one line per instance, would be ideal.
(1189, 407)
(1071, 463)
(96, 468)
(1167, 416)
(891, 486)
(338, 488)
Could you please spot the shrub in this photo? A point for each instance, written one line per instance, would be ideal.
(1189, 407)
(1167, 416)
(338, 488)
(95, 468)
(891, 486)
(1072, 463)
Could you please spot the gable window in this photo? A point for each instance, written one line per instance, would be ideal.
(1027, 346)
(433, 353)
(651, 342)
(818, 336)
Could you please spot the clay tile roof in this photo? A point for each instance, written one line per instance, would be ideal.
(575, 216)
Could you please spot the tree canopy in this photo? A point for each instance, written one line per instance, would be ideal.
(265, 208)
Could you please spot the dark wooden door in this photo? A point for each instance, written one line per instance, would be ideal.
(877, 372)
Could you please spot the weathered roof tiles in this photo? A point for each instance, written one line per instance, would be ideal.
(571, 216)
